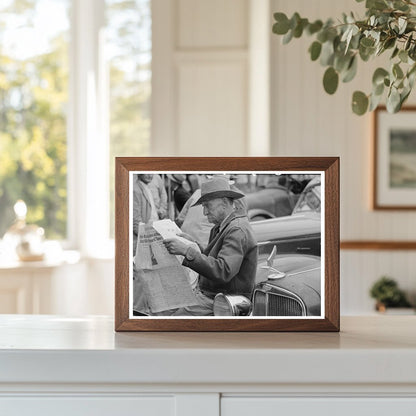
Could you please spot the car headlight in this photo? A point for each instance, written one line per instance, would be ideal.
(231, 305)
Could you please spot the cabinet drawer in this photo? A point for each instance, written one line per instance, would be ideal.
(272, 406)
(87, 406)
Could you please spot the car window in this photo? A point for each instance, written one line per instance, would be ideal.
(310, 200)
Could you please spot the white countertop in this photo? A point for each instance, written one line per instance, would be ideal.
(53, 349)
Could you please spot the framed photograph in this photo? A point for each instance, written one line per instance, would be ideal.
(394, 180)
(227, 244)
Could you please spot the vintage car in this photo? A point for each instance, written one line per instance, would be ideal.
(276, 198)
(296, 233)
(286, 285)
(271, 202)
(288, 279)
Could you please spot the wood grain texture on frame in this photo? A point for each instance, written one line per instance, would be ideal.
(330, 165)
(376, 206)
(378, 245)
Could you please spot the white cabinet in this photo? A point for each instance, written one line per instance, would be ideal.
(53, 365)
(26, 290)
(67, 285)
(271, 406)
(88, 406)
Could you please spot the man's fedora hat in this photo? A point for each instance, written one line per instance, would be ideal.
(216, 188)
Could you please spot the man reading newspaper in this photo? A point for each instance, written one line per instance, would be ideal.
(228, 264)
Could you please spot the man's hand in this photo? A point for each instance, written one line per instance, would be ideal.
(175, 246)
(187, 236)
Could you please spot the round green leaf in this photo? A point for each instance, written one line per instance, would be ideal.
(314, 27)
(376, 4)
(412, 52)
(288, 37)
(374, 102)
(351, 71)
(400, 5)
(367, 42)
(393, 101)
(397, 71)
(365, 53)
(294, 20)
(389, 43)
(322, 36)
(403, 56)
(378, 90)
(342, 61)
(298, 30)
(411, 76)
(281, 27)
(359, 103)
(330, 80)
(408, 42)
(315, 50)
(379, 75)
(403, 96)
(395, 52)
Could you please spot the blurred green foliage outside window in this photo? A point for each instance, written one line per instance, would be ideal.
(129, 47)
(34, 91)
(33, 100)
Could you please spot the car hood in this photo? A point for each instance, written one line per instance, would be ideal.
(287, 227)
(303, 277)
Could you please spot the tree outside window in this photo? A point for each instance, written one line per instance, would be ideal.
(34, 93)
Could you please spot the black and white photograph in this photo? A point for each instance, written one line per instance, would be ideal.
(226, 245)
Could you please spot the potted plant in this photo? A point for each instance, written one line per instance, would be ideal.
(387, 294)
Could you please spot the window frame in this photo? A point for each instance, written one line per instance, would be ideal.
(87, 133)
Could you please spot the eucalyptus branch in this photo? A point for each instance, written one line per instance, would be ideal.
(388, 26)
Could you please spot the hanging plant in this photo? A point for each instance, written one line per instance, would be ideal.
(388, 28)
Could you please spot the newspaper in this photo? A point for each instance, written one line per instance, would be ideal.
(168, 229)
(165, 280)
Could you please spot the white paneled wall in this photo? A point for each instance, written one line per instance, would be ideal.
(203, 67)
(223, 86)
(212, 24)
(359, 269)
(308, 122)
(218, 122)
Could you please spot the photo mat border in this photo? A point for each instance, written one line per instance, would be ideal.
(321, 173)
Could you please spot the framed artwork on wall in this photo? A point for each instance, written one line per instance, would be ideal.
(394, 178)
(227, 244)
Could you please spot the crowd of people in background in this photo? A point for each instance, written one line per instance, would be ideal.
(172, 196)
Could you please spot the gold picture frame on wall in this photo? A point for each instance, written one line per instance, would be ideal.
(154, 290)
(394, 152)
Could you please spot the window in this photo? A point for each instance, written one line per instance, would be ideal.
(75, 87)
(33, 99)
(129, 44)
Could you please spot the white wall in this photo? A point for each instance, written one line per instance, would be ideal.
(308, 122)
(200, 77)
(203, 94)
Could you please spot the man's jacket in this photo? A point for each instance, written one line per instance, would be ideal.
(229, 262)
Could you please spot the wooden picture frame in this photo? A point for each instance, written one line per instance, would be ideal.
(326, 168)
(394, 158)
